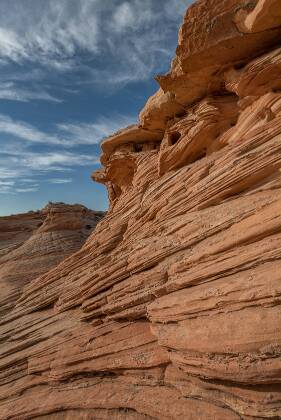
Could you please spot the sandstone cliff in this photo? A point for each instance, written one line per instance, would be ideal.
(171, 309)
(33, 243)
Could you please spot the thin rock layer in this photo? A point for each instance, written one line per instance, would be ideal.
(171, 309)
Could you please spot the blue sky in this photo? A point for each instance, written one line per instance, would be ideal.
(71, 73)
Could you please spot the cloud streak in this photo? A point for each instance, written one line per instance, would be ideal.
(10, 91)
(126, 36)
(65, 134)
(93, 133)
(24, 131)
(60, 180)
(23, 173)
(20, 163)
(53, 51)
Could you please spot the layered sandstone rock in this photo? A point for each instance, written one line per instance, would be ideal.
(33, 243)
(171, 309)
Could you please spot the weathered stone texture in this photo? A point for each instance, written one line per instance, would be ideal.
(171, 309)
(33, 243)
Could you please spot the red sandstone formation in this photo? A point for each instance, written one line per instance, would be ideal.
(33, 243)
(171, 310)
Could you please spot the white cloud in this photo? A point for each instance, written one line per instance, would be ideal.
(10, 91)
(7, 171)
(93, 133)
(7, 183)
(22, 167)
(11, 45)
(108, 43)
(68, 34)
(5, 190)
(60, 180)
(25, 131)
(26, 180)
(123, 16)
(23, 172)
(25, 190)
(55, 161)
(47, 30)
(65, 134)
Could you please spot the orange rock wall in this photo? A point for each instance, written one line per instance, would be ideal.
(33, 243)
(171, 309)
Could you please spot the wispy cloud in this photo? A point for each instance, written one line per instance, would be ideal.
(64, 134)
(11, 45)
(60, 180)
(93, 133)
(5, 190)
(10, 91)
(55, 161)
(7, 172)
(62, 46)
(126, 36)
(21, 163)
(11, 181)
(6, 186)
(25, 190)
(7, 183)
(23, 173)
(25, 131)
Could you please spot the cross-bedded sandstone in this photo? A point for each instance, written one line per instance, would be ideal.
(171, 309)
(32, 243)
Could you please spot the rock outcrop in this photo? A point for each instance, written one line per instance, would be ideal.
(33, 243)
(171, 309)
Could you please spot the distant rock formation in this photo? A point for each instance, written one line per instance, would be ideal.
(33, 243)
(172, 308)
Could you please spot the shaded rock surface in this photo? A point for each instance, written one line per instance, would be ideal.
(171, 309)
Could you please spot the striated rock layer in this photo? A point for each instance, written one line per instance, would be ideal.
(171, 309)
(33, 243)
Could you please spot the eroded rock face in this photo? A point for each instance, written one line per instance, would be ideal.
(171, 309)
(32, 243)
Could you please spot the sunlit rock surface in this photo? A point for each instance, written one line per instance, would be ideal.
(33, 243)
(171, 309)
